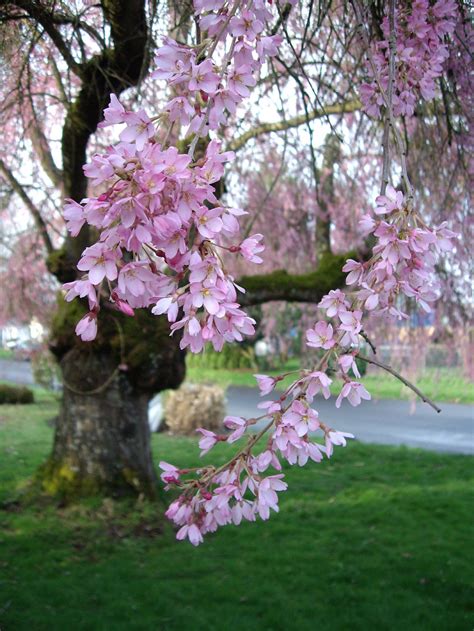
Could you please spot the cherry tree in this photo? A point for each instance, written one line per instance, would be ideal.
(153, 231)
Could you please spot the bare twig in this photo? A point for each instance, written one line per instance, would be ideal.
(393, 372)
(20, 191)
(359, 11)
(369, 341)
(388, 111)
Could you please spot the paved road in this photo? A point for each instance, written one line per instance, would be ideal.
(16, 371)
(384, 422)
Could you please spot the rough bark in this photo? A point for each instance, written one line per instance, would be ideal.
(102, 439)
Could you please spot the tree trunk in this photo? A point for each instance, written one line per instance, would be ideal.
(102, 439)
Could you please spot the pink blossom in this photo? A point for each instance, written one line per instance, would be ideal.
(367, 224)
(351, 324)
(354, 392)
(369, 296)
(100, 262)
(209, 297)
(74, 215)
(321, 336)
(180, 109)
(421, 240)
(300, 416)
(139, 129)
(172, 60)
(203, 78)
(134, 278)
(170, 474)
(334, 437)
(81, 288)
(113, 114)
(421, 50)
(317, 381)
(246, 25)
(444, 237)
(208, 221)
(240, 79)
(347, 362)
(265, 384)
(86, 328)
(334, 302)
(267, 494)
(251, 247)
(168, 305)
(237, 424)
(192, 532)
(268, 45)
(264, 460)
(392, 200)
(270, 406)
(122, 305)
(208, 440)
(174, 164)
(395, 251)
(355, 269)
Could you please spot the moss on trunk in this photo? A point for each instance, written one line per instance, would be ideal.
(65, 480)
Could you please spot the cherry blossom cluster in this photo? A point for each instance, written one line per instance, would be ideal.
(421, 50)
(402, 264)
(242, 489)
(162, 230)
(403, 261)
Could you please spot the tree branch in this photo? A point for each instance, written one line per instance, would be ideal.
(40, 145)
(44, 17)
(393, 372)
(266, 128)
(280, 285)
(20, 191)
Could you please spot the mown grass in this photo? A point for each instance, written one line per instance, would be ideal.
(438, 384)
(376, 538)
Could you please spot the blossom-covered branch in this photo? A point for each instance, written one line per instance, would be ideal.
(160, 245)
(160, 221)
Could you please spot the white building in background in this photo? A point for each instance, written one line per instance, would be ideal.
(14, 334)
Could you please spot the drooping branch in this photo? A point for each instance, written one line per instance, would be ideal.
(393, 372)
(267, 128)
(38, 12)
(41, 147)
(280, 285)
(20, 191)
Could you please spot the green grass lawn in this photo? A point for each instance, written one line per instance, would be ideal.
(440, 385)
(378, 538)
